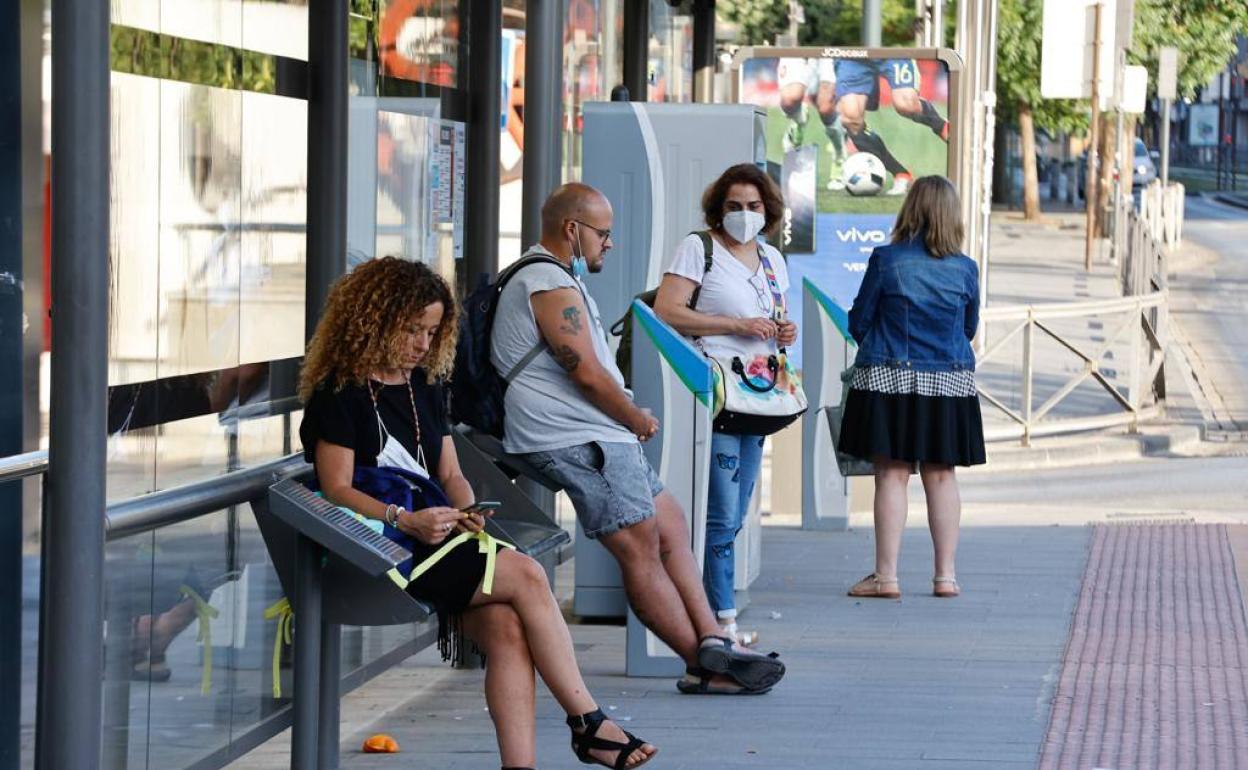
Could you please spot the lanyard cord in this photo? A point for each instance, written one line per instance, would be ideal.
(411, 395)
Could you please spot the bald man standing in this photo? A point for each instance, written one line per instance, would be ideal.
(568, 413)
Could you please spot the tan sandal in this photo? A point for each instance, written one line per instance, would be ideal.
(744, 638)
(874, 587)
(945, 587)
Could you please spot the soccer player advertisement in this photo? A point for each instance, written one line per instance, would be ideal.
(848, 131)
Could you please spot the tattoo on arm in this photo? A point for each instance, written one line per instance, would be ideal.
(571, 321)
(566, 357)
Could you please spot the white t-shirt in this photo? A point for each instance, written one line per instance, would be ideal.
(731, 290)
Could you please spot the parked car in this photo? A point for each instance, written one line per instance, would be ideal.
(1143, 170)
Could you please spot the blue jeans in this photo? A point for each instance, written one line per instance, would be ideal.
(735, 462)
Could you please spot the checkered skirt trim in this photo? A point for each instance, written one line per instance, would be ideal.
(902, 382)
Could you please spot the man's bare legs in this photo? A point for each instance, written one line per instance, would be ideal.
(650, 590)
(662, 580)
(676, 553)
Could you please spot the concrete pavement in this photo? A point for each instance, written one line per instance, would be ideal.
(1209, 307)
(922, 684)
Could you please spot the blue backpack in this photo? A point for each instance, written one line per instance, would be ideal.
(476, 388)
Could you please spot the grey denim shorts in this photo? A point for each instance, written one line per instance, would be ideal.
(612, 485)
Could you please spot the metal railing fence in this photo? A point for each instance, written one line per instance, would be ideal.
(1137, 320)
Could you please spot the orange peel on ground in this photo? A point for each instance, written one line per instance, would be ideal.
(380, 744)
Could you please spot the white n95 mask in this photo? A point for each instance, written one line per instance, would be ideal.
(744, 226)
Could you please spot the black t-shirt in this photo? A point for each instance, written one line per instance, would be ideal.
(347, 418)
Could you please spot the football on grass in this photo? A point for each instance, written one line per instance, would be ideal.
(863, 174)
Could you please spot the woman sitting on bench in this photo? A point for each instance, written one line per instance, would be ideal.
(375, 417)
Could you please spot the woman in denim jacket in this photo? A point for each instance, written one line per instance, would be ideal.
(912, 398)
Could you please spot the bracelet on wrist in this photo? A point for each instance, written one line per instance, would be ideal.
(391, 515)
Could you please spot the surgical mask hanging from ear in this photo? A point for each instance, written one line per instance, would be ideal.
(579, 266)
(744, 226)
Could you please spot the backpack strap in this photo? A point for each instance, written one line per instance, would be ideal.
(533, 353)
(708, 260)
(532, 258)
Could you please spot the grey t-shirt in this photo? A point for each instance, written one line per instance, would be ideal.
(544, 409)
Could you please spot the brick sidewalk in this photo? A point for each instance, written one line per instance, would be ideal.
(1156, 670)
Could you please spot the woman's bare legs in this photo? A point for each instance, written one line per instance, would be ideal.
(520, 583)
(891, 478)
(510, 689)
(944, 514)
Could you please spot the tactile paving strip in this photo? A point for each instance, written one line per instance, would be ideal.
(1155, 673)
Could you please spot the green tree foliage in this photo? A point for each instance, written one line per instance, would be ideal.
(1204, 31)
(828, 22)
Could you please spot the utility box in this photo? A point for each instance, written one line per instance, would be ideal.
(653, 162)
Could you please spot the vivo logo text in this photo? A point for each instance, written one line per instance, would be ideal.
(857, 235)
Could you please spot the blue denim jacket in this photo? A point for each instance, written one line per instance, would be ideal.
(917, 311)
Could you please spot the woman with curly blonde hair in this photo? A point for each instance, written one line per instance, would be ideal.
(375, 428)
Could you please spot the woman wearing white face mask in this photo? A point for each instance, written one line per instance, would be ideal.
(725, 290)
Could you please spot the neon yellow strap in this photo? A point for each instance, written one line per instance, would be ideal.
(486, 544)
(205, 612)
(280, 611)
(398, 579)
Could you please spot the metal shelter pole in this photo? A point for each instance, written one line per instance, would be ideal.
(329, 715)
(871, 32)
(71, 652)
(543, 89)
(327, 153)
(12, 226)
(304, 742)
(481, 183)
(637, 49)
(704, 51)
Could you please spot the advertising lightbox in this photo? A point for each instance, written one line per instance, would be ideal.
(848, 130)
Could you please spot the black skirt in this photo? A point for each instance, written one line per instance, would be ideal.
(927, 424)
(449, 586)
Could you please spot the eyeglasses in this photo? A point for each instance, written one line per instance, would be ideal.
(765, 300)
(605, 235)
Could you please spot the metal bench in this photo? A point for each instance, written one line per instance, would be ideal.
(335, 568)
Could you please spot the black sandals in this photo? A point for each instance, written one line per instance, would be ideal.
(698, 681)
(752, 670)
(587, 741)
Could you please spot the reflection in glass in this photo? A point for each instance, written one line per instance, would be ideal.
(418, 40)
(131, 662)
(273, 227)
(189, 630)
(212, 21)
(134, 256)
(277, 27)
(200, 246)
(143, 14)
(671, 54)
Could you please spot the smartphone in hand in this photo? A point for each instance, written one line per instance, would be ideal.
(481, 507)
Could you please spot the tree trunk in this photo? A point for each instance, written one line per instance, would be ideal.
(1108, 151)
(1128, 157)
(1031, 180)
